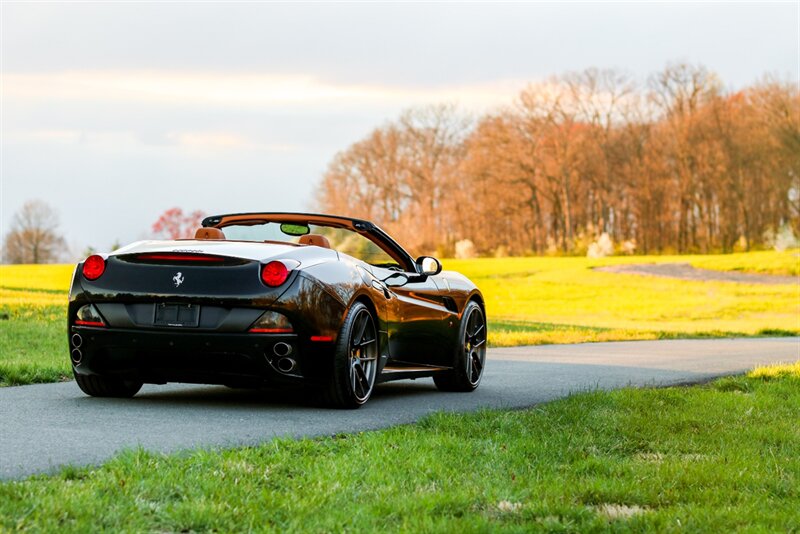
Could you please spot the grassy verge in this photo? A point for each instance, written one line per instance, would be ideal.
(33, 346)
(717, 458)
(512, 333)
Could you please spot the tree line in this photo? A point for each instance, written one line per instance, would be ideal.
(673, 164)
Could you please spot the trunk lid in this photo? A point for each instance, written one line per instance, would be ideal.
(203, 272)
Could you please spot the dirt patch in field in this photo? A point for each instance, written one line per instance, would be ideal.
(684, 271)
(619, 511)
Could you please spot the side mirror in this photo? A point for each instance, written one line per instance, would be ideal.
(429, 266)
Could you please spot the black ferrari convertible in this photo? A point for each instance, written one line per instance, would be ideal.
(274, 299)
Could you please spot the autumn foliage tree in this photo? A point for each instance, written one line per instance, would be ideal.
(673, 164)
(174, 224)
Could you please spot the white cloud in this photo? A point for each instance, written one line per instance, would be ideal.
(237, 90)
(202, 140)
(205, 140)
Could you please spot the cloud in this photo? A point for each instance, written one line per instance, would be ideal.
(222, 141)
(189, 140)
(243, 90)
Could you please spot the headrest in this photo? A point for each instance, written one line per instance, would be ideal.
(209, 233)
(316, 240)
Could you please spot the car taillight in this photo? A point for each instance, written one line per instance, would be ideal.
(89, 316)
(274, 273)
(94, 267)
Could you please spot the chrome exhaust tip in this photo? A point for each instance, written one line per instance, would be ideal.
(76, 356)
(282, 349)
(77, 340)
(286, 365)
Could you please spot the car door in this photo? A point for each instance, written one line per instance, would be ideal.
(419, 325)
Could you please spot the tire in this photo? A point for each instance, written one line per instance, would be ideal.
(469, 359)
(355, 361)
(102, 386)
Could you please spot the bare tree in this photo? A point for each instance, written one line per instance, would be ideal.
(34, 236)
(432, 150)
(601, 96)
(401, 175)
(681, 91)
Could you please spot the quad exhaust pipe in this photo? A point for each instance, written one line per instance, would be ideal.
(76, 355)
(282, 361)
(282, 349)
(286, 365)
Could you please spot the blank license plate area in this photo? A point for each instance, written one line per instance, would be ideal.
(186, 315)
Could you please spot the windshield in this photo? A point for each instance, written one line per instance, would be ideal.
(342, 240)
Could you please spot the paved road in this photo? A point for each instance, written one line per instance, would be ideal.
(46, 426)
(684, 271)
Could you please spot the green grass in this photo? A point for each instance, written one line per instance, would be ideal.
(511, 333)
(33, 345)
(715, 458)
(529, 301)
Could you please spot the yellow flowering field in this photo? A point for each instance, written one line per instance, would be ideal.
(52, 277)
(564, 300)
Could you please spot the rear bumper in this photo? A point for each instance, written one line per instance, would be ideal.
(160, 356)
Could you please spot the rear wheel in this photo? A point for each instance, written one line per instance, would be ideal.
(355, 361)
(470, 357)
(102, 386)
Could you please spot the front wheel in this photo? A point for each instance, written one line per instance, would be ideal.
(355, 362)
(470, 356)
(102, 386)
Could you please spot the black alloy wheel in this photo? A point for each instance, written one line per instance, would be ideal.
(355, 363)
(470, 357)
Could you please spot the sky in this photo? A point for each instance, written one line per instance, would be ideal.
(114, 112)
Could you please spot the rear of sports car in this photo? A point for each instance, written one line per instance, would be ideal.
(239, 315)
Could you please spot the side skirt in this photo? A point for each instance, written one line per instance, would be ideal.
(397, 371)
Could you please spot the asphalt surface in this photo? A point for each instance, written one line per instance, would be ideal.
(44, 427)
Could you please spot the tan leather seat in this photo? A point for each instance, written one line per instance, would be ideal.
(209, 233)
(316, 240)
